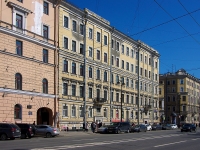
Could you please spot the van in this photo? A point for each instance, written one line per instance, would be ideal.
(118, 127)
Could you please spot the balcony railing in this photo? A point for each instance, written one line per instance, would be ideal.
(99, 100)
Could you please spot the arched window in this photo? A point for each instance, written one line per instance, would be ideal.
(18, 112)
(18, 81)
(44, 86)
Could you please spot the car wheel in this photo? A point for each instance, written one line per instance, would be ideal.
(3, 137)
(48, 135)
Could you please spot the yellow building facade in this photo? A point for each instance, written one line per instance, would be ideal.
(181, 96)
(114, 64)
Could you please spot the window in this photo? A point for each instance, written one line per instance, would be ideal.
(181, 81)
(127, 99)
(105, 93)
(74, 46)
(132, 100)
(73, 90)
(105, 76)
(98, 74)
(19, 48)
(19, 21)
(18, 81)
(81, 29)
(105, 40)
(122, 79)
(81, 111)
(127, 51)
(65, 66)
(117, 78)
(18, 112)
(117, 97)
(117, 62)
(90, 112)
(65, 43)
(117, 46)
(122, 49)
(45, 31)
(149, 61)
(111, 96)
(45, 56)
(46, 8)
(81, 70)
(81, 91)
(65, 110)
(90, 72)
(45, 86)
(65, 88)
(74, 25)
(73, 68)
(136, 55)
(112, 60)
(132, 53)
(98, 37)
(105, 57)
(112, 78)
(145, 59)
(122, 64)
(90, 33)
(173, 82)
(90, 52)
(127, 66)
(122, 98)
(112, 44)
(98, 93)
(156, 64)
(98, 54)
(145, 73)
(182, 89)
(66, 21)
(132, 68)
(105, 112)
(141, 57)
(90, 92)
(132, 83)
(73, 111)
(81, 49)
(127, 82)
(141, 71)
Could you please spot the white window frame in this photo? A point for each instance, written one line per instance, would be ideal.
(73, 115)
(65, 110)
(90, 34)
(64, 22)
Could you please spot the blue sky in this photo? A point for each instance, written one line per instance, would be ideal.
(172, 27)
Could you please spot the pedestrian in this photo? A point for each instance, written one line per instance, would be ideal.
(34, 123)
(83, 126)
(100, 124)
(93, 127)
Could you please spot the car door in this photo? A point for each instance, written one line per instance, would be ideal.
(38, 130)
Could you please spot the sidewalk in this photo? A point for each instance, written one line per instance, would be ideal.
(76, 133)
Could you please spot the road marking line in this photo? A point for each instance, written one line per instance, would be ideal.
(170, 144)
(195, 139)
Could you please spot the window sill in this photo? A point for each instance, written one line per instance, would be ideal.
(65, 117)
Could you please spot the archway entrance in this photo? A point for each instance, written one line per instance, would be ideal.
(45, 116)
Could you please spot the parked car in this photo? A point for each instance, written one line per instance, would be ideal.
(149, 128)
(188, 127)
(47, 131)
(139, 128)
(167, 127)
(174, 126)
(9, 130)
(157, 127)
(26, 130)
(103, 129)
(118, 127)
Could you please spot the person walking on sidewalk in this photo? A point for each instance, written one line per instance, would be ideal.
(93, 127)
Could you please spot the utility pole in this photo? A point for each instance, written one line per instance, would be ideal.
(138, 94)
(85, 67)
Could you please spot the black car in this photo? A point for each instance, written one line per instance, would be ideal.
(9, 130)
(167, 127)
(118, 127)
(26, 130)
(139, 128)
(157, 127)
(188, 127)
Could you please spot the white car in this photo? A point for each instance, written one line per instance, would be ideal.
(174, 126)
(149, 128)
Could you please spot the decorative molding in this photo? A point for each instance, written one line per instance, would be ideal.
(19, 7)
(11, 91)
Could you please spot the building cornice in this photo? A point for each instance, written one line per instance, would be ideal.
(19, 7)
(21, 92)
(26, 37)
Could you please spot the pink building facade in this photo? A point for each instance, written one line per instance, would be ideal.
(28, 65)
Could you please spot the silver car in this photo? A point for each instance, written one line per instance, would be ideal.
(46, 130)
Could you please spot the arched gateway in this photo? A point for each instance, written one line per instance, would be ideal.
(45, 116)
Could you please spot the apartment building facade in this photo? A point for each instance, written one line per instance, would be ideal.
(114, 62)
(27, 83)
(181, 97)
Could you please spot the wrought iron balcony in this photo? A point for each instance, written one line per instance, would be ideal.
(147, 107)
(99, 100)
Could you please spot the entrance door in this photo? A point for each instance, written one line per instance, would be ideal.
(44, 116)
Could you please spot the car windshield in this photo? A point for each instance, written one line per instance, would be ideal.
(137, 126)
(115, 123)
(186, 125)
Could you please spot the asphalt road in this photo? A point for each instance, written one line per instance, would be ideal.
(151, 140)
